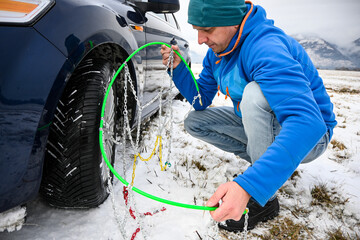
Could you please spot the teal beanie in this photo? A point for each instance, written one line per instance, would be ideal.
(216, 13)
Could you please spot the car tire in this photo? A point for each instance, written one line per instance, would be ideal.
(75, 174)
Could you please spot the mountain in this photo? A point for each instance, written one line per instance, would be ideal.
(328, 56)
(354, 52)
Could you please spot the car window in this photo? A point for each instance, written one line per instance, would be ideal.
(171, 20)
(161, 15)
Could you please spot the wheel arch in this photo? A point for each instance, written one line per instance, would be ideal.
(84, 35)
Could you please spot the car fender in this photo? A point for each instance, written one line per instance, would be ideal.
(23, 94)
(79, 35)
(75, 36)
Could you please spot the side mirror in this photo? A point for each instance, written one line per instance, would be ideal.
(158, 6)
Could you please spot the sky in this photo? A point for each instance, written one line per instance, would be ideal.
(336, 21)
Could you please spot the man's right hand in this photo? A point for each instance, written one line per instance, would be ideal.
(234, 200)
(165, 52)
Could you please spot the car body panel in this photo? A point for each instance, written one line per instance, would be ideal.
(22, 102)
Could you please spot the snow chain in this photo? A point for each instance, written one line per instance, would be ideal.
(127, 192)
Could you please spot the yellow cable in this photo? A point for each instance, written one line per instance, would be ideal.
(157, 142)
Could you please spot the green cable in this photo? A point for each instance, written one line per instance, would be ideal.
(45, 126)
(137, 190)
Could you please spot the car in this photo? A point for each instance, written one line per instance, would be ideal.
(57, 60)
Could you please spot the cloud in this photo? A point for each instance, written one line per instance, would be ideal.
(336, 21)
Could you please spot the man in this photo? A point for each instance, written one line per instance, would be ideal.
(282, 115)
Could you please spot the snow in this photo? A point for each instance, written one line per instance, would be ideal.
(338, 170)
(13, 219)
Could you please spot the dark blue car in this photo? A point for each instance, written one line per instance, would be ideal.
(57, 59)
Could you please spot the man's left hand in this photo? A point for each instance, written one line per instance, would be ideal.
(234, 200)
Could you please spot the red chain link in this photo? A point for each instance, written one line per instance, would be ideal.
(155, 212)
(132, 212)
(134, 234)
(126, 194)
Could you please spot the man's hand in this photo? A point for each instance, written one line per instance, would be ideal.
(165, 52)
(234, 200)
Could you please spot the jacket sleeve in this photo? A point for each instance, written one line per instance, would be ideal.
(206, 83)
(286, 88)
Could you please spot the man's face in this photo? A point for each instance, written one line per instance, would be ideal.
(217, 38)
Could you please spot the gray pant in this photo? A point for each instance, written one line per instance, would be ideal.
(247, 137)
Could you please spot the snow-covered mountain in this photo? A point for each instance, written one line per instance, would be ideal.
(354, 52)
(329, 56)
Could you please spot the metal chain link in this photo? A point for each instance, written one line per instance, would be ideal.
(121, 223)
(171, 65)
(138, 218)
(190, 109)
(246, 222)
(135, 144)
(127, 133)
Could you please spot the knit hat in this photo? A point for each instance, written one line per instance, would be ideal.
(216, 13)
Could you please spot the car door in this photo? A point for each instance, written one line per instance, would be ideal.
(131, 16)
(159, 28)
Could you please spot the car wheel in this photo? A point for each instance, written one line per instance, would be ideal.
(75, 174)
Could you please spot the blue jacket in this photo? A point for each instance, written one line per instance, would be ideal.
(291, 85)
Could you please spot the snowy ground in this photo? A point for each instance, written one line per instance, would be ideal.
(198, 169)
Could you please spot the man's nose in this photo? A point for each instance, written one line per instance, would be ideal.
(202, 38)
